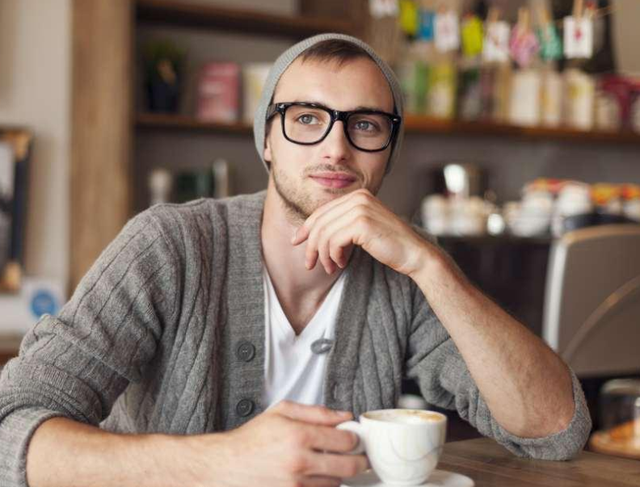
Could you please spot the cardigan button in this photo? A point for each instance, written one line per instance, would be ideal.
(245, 351)
(244, 407)
(334, 392)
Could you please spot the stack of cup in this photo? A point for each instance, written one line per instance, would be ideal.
(435, 214)
(532, 216)
(574, 201)
(455, 216)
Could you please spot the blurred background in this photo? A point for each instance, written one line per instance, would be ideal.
(522, 141)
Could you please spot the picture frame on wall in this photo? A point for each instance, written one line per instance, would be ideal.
(15, 152)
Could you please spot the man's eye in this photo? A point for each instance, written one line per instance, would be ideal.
(365, 126)
(307, 119)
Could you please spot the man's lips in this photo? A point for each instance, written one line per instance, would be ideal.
(333, 179)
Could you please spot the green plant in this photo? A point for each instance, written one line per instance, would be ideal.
(163, 60)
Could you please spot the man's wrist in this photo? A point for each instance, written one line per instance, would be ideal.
(164, 450)
(150, 459)
(203, 456)
(429, 260)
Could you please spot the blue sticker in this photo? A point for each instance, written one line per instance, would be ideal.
(427, 21)
(43, 302)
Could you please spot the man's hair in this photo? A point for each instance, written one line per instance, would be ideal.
(335, 50)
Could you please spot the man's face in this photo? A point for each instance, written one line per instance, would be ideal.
(306, 177)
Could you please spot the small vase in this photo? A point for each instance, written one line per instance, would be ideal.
(162, 96)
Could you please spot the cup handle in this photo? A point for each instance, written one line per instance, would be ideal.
(356, 428)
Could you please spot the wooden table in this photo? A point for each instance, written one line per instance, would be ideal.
(491, 465)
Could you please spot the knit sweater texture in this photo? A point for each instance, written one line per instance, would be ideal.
(155, 339)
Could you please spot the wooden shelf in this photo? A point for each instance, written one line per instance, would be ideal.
(183, 123)
(191, 15)
(424, 125)
(414, 125)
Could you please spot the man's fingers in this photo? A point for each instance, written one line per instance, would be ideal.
(335, 465)
(321, 482)
(312, 414)
(313, 434)
(324, 209)
(349, 200)
(304, 232)
(329, 439)
(320, 235)
(323, 255)
(339, 235)
(301, 235)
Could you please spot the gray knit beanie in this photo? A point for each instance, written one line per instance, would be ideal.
(290, 55)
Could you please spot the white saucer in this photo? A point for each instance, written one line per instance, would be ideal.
(439, 478)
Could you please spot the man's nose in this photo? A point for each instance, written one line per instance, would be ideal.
(336, 145)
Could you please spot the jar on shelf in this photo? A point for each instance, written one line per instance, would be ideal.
(579, 99)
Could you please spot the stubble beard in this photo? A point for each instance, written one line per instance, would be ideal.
(298, 203)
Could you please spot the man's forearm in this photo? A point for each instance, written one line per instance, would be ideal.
(65, 453)
(525, 384)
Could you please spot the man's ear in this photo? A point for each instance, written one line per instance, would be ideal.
(267, 150)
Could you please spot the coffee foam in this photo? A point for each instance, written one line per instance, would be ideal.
(405, 416)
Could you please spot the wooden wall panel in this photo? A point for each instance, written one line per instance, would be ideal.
(101, 174)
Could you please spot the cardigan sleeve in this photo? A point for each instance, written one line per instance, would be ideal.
(76, 365)
(434, 361)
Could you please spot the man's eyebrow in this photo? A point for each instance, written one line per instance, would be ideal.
(358, 108)
(363, 107)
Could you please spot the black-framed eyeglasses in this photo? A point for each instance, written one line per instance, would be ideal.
(309, 123)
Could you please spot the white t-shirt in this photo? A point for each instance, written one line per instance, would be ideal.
(292, 370)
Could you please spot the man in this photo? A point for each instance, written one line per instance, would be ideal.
(217, 342)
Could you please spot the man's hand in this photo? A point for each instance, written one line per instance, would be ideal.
(359, 218)
(288, 445)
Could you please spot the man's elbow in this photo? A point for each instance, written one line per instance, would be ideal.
(567, 441)
(562, 416)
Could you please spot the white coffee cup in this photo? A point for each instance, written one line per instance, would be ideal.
(403, 445)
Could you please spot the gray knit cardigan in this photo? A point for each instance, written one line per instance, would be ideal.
(166, 334)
